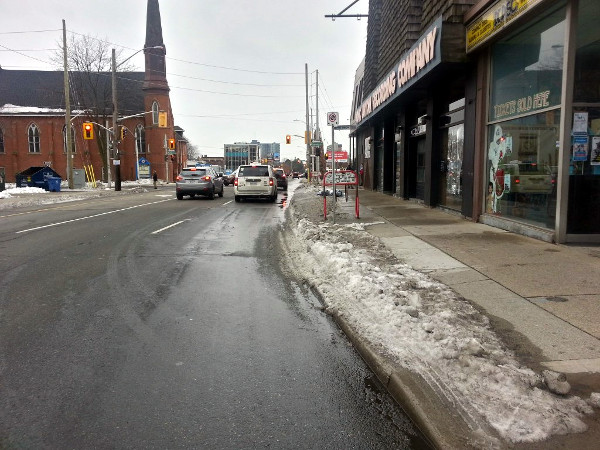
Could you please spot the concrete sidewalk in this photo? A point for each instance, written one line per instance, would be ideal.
(542, 299)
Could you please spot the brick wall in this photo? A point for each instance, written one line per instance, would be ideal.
(395, 25)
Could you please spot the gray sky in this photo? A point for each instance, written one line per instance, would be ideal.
(235, 67)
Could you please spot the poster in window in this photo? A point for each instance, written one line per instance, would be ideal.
(580, 123)
(580, 148)
(595, 155)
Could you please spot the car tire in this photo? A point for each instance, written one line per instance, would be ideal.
(179, 196)
(237, 198)
(211, 196)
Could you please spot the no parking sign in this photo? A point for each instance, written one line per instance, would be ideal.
(332, 118)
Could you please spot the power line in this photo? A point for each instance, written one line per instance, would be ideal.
(197, 63)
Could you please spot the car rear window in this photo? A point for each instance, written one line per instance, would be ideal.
(254, 171)
(193, 173)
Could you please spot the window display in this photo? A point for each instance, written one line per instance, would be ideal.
(524, 118)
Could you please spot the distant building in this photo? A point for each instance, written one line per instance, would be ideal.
(241, 153)
(270, 153)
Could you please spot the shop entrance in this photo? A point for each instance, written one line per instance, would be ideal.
(451, 191)
(416, 188)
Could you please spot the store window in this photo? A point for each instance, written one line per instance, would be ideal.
(451, 158)
(1, 141)
(523, 127)
(584, 169)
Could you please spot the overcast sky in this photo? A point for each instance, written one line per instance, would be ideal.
(235, 67)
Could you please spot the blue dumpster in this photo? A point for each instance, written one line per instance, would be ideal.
(54, 184)
(36, 177)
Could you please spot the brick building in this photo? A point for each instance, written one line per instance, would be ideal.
(32, 118)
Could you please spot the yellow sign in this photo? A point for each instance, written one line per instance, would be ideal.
(162, 119)
(494, 19)
(307, 137)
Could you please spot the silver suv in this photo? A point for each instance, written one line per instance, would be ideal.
(194, 181)
(255, 181)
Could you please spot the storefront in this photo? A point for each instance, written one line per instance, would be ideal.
(540, 126)
(410, 130)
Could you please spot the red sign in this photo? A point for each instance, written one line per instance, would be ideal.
(341, 156)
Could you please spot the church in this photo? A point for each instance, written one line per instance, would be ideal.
(33, 129)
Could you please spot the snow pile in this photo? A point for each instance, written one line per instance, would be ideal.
(425, 327)
(8, 193)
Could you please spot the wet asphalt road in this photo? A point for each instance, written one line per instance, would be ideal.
(146, 322)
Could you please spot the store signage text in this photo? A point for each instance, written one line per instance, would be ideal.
(411, 65)
(522, 105)
(494, 19)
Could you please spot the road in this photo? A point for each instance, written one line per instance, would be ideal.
(141, 321)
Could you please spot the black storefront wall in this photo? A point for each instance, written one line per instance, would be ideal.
(392, 166)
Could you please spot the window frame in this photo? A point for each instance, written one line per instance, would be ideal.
(155, 111)
(33, 138)
(140, 138)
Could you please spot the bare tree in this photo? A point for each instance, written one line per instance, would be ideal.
(89, 61)
(192, 151)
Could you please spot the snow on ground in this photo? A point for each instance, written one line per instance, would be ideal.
(425, 327)
(33, 196)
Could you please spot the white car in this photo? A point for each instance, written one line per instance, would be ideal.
(255, 181)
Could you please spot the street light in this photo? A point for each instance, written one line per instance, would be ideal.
(117, 160)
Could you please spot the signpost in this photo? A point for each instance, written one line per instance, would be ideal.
(343, 178)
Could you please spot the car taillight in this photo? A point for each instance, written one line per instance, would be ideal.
(179, 178)
(517, 180)
(271, 181)
(206, 178)
(235, 181)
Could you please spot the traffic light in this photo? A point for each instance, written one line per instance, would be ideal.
(123, 132)
(171, 144)
(88, 130)
(288, 139)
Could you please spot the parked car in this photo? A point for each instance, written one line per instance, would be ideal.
(294, 174)
(281, 177)
(194, 181)
(255, 181)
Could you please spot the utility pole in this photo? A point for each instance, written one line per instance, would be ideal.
(115, 130)
(308, 158)
(318, 131)
(68, 135)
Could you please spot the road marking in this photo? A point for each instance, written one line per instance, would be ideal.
(89, 217)
(170, 226)
(227, 203)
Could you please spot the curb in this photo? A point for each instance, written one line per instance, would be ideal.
(423, 406)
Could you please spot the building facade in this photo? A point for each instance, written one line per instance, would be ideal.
(270, 153)
(538, 124)
(241, 153)
(487, 110)
(32, 118)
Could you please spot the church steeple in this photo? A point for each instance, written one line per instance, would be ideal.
(156, 69)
